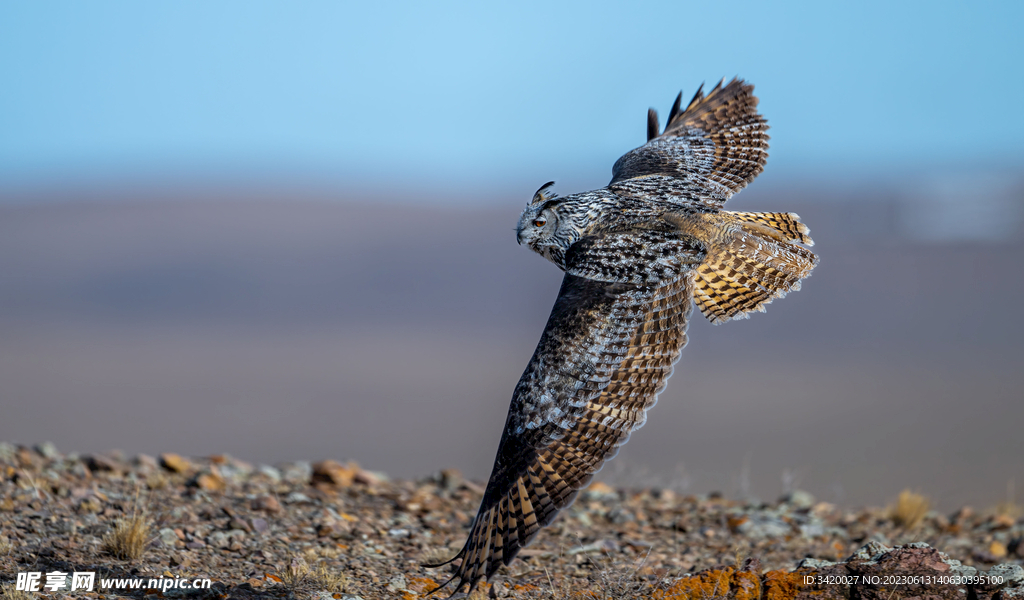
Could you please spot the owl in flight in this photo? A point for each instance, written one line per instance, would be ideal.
(637, 255)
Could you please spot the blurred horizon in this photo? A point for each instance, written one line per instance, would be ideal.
(284, 232)
(291, 328)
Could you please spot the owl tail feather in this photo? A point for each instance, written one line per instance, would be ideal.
(755, 263)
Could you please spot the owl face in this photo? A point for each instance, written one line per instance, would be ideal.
(538, 229)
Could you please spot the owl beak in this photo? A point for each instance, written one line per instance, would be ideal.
(519, 236)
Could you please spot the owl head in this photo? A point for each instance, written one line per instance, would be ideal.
(544, 228)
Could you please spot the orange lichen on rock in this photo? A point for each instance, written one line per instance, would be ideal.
(734, 585)
(717, 583)
(419, 586)
(782, 585)
(746, 586)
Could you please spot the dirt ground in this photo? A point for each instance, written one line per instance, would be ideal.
(333, 530)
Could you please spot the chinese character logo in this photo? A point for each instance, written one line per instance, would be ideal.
(28, 582)
(83, 581)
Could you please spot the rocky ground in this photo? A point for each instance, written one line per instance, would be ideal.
(329, 529)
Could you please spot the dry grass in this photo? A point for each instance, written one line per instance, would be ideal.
(129, 539)
(7, 592)
(909, 510)
(296, 571)
(299, 573)
(5, 546)
(327, 580)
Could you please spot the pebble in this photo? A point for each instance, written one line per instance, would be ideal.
(271, 473)
(296, 498)
(7, 452)
(1009, 572)
(210, 481)
(100, 463)
(174, 463)
(268, 504)
(146, 463)
(759, 526)
(333, 473)
(397, 583)
(298, 472)
(168, 537)
(48, 451)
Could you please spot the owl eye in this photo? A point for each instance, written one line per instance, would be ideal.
(539, 222)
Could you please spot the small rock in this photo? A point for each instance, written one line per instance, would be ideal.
(371, 478)
(219, 539)
(235, 470)
(760, 526)
(259, 525)
(210, 481)
(871, 551)
(812, 530)
(269, 472)
(397, 583)
(182, 561)
(174, 463)
(814, 563)
(168, 537)
(997, 549)
(48, 451)
(296, 498)
(600, 490)
(398, 533)
(798, 499)
(299, 472)
(98, 463)
(145, 463)
(195, 545)
(89, 505)
(333, 473)
(267, 504)
(7, 452)
(1012, 574)
(330, 529)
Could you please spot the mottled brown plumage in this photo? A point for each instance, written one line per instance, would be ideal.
(637, 256)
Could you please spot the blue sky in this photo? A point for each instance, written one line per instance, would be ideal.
(475, 95)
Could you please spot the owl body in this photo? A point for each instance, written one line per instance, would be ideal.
(571, 218)
(638, 255)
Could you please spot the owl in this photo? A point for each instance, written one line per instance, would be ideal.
(637, 255)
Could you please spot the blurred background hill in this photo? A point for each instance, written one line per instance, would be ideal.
(287, 233)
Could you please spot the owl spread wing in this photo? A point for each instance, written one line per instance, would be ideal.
(708, 152)
(608, 349)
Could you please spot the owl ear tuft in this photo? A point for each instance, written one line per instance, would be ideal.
(541, 195)
(653, 127)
